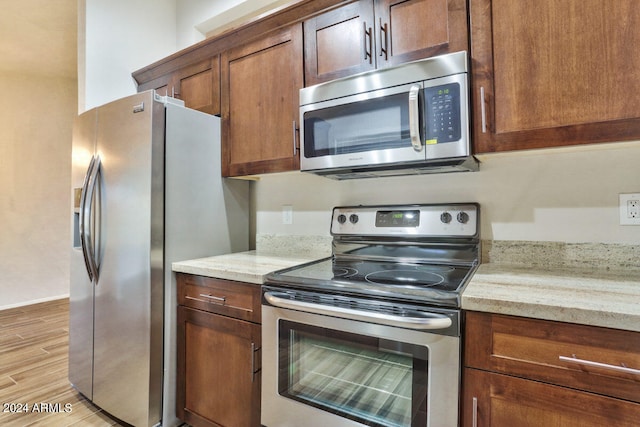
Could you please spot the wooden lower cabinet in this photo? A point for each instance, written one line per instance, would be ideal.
(219, 358)
(507, 401)
(521, 372)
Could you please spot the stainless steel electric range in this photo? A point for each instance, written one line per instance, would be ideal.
(371, 335)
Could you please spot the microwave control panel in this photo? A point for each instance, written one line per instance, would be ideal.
(442, 113)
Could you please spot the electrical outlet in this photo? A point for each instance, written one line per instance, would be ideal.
(287, 214)
(630, 209)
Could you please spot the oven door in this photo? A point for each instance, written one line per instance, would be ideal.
(323, 371)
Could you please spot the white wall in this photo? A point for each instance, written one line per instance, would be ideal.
(551, 195)
(36, 118)
(191, 14)
(119, 37)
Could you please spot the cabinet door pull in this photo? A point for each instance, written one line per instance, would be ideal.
(384, 43)
(483, 111)
(623, 368)
(295, 139)
(474, 415)
(368, 43)
(254, 350)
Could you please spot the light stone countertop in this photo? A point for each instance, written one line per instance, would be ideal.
(551, 281)
(597, 298)
(250, 266)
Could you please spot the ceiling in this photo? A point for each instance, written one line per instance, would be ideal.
(39, 36)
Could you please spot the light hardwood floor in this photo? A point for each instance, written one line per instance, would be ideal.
(34, 344)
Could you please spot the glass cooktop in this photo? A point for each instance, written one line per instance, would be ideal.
(433, 283)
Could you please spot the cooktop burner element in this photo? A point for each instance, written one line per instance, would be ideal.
(404, 277)
(424, 253)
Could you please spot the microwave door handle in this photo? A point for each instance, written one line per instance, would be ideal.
(414, 117)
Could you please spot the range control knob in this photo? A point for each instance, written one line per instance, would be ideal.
(463, 217)
(353, 218)
(445, 217)
(342, 218)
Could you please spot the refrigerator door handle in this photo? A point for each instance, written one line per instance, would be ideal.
(86, 215)
(83, 219)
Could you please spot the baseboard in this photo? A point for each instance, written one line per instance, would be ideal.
(31, 302)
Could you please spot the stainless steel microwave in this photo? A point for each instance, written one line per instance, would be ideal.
(409, 119)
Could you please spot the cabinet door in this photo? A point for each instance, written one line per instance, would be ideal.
(550, 73)
(198, 86)
(413, 29)
(218, 379)
(260, 91)
(500, 400)
(340, 42)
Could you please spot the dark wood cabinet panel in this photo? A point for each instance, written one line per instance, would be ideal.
(551, 73)
(418, 29)
(198, 85)
(501, 400)
(339, 42)
(529, 372)
(260, 89)
(234, 299)
(368, 34)
(218, 353)
(532, 348)
(219, 366)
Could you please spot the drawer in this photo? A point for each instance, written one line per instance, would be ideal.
(600, 360)
(234, 299)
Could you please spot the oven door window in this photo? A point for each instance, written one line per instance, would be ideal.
(369, 125)
(372, 381)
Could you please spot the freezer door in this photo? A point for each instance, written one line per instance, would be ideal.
(128, 294)
(81, 285)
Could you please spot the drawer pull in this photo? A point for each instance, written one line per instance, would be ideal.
(210, 299)
(623, 368)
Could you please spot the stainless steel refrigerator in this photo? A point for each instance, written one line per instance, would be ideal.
(146, 191)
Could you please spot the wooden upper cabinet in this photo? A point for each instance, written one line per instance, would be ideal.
(197, 84)
(261, 81)
(420, 28)
(339, 42)
(550, 73)
(368, 34)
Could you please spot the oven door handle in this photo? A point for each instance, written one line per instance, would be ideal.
(429, 321)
